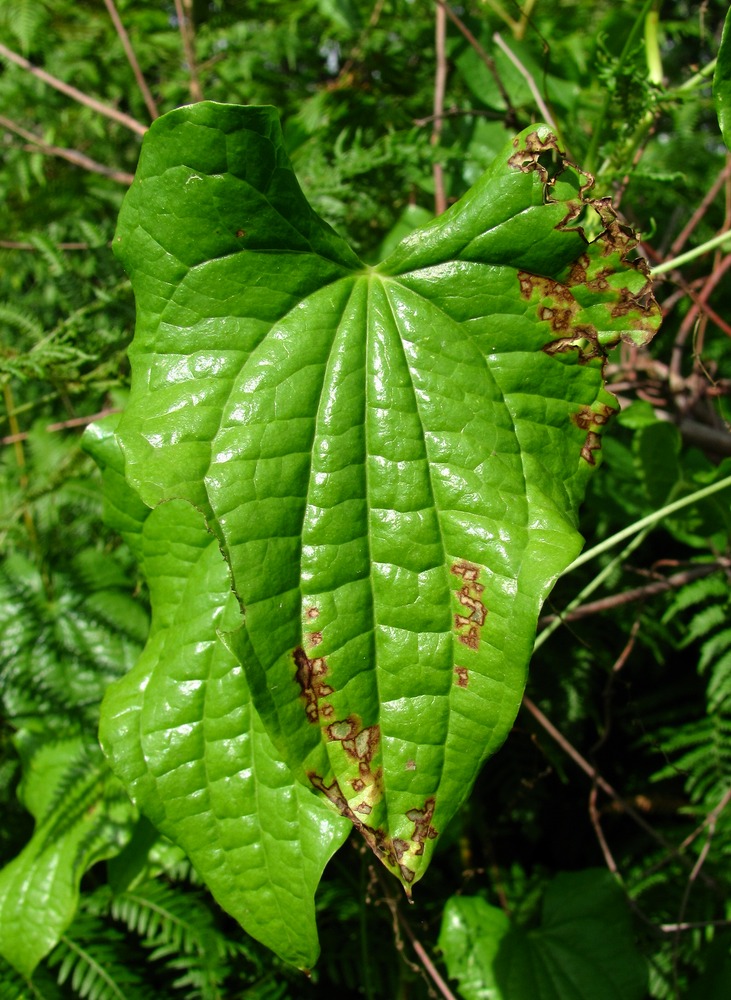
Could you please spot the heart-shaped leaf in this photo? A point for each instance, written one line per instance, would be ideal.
(583, 949)
(391, 458)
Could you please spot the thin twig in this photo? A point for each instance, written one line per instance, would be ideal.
(185, 24)
(73, 92)
(698, 925)
(19, 245)
(132, 59)
(528, 77)
(710, 824)
(601, 782)
(680, 240)
(510, 113)
(71, 155)
(596, 823)
(62, 426)
(357, 51)
(440, 86)
(640, 593)
(691, 316)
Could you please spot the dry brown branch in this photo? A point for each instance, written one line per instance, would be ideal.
(73, 92)
(528, 77)
(680, 240)
(602, 783)
(710, 826)
(510, 114)
(71, 155)
(62, 426)
(673, 582)
(595, 818)
(427, 968)
(440, 86)
(132, 58)
(693, 314)
(187, 35)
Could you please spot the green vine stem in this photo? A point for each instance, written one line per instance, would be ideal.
(648, 521)
(684, 258)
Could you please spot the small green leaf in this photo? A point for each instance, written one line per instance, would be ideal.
(71, 794)
(391, 458)
(583, 949)
(722, 82)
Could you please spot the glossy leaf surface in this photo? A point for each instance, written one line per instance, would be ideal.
(181, 732)
(722, 82)
(390, 458)
(584, 947)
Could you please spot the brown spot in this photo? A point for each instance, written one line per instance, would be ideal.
(314, 638)
(309, 675)
(466, 570)
(410, 765)
(312, 613)
(406, 873)
(240, 233)
(423, 830)
(584, 342)
(363, 807)
(586, 417)
(343, 730)
(358, 784)
(463, 677)
(590, 420)
(592, 444)
(400, 847)
(470, 597)
(533, 156)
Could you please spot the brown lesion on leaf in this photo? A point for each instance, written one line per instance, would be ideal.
(388, 850)
(423, 830)
(312, 613)
(592, 419)
(462, 676)
(541, 152)
(310, 674)
(594, 269)
(557, 306)
(593, 443)
(359, 742)
(469, 624)
(588, 417)
(314, 638)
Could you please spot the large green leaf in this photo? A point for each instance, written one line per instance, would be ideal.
(390, 458)
(583, 949)
(82, 816)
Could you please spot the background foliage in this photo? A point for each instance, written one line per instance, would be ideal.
(634, 687)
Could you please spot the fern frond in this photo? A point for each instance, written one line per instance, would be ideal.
(15, 986)
(18, 319)
(94, 959)
(164, 917)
